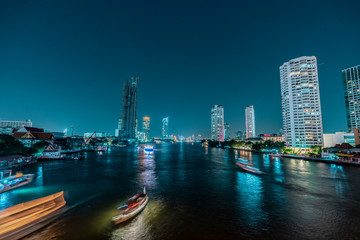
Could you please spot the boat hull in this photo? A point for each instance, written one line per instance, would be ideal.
(6, 188)
(20, 220)
(119, 219)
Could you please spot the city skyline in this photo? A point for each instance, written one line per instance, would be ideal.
(106, 48)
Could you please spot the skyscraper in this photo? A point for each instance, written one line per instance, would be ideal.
(146, 127)
(300, 99)
(227, 132)
(351, 81)
(129, 105)
(250, 121)
(217, 123)
(165, 128)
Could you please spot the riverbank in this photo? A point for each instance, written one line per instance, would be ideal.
(337, 162)
(322, 160)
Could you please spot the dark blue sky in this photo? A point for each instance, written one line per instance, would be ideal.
(64, 62)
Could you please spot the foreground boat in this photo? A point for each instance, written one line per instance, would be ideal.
(249, 168)
(15, 181)
(149, 149)
(20, 220)
(131, 207)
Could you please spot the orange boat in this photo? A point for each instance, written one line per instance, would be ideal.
(20, 220)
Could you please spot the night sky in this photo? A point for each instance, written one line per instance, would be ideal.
(64, 62)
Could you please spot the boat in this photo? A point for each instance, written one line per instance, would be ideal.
(131, 207)
(15, 181)
(22, 219)
(149, 148)
(249, 168)
(244, 161)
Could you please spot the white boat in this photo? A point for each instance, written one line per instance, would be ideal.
(249, 168)
(15, 181)
(149, 148)
(131, 207)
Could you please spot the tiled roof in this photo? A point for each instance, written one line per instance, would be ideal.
(37, 135)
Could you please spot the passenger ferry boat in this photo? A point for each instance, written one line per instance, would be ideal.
(131, 207)
(149, 148)
(20, 220)
(248, 167)
(15, 181)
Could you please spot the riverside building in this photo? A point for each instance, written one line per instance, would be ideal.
(300, 99)
(165, 128)
(351, 82)
(250, 121)
(146, 127)
(217, 123)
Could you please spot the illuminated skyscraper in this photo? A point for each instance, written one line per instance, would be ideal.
(129, 105)
(351, 81)
(300, 99)
(250, 121)
(217, 123)
(165, 128)
(146, 127)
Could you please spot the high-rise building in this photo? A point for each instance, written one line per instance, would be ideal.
(146, 127)
(217, 123)
(165, 128)
(227, 132)
(351, 81)
(129, 106)
(300, 99)
(250, 121)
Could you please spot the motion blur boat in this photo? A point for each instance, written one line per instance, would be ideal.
(131, 207)
(15, 181)
(149, 148)
(20, 220)
(249, 168)
(244, 162)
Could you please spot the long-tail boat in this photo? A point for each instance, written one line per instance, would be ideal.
(131, 207)
(22, 219)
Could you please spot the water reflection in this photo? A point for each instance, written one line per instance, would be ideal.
(279, 175)
(338, 174)
(250, 199)
(140, 226)
(146, 170)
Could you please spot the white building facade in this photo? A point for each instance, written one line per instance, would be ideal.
(300, 99)
(7, 127)
(217, 123)
(332, 139)
(250, 121)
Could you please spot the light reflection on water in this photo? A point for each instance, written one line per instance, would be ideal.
(250, 199)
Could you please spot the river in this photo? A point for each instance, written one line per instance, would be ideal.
(197, 193)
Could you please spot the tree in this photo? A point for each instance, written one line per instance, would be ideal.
(316, 150)
(40, 146)
(9, 145)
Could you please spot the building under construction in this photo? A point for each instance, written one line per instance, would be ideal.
(129, 106)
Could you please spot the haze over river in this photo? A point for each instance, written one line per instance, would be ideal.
(197, 192)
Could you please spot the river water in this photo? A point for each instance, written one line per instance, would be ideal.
(197, 193)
